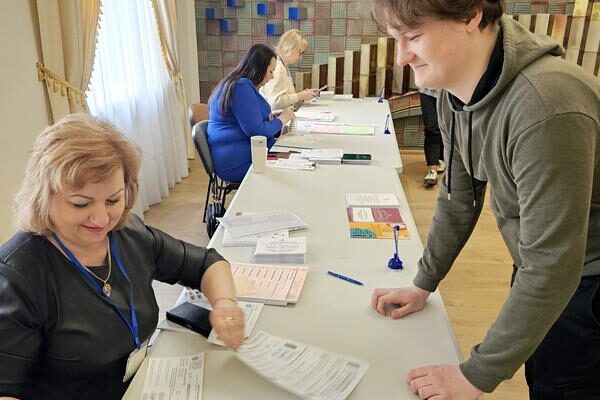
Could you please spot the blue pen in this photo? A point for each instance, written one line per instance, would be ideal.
(380, 100)
(386, 129)
(345, 278)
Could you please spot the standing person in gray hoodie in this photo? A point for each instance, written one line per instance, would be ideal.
(518, 118)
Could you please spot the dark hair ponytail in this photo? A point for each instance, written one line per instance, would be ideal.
(253, 66)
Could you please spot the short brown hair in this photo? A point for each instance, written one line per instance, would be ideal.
(398, 14)
(76, 150)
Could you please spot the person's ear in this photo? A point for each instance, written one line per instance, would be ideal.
(473, 24)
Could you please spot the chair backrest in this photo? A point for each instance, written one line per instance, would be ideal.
(198, 112)
(200, 137)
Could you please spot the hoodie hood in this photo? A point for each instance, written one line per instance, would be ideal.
(521, 48)
(516, 49)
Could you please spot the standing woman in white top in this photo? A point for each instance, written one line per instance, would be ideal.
(280, 91)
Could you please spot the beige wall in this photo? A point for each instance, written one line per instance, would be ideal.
(23, 108)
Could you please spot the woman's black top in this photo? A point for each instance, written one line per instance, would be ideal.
(61, 339)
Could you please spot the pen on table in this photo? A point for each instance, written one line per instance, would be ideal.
(380, 100)
(345, 278)
(386, 129)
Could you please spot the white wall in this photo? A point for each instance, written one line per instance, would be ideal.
(23, 105)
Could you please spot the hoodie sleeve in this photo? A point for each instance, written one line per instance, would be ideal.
(452, 225)
(552, 164)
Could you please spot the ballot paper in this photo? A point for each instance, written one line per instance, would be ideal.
(299, 164)
(315, 115)
(250, 240)
(371, 199)
(270, 284)
(306, 371)
(260, 222)
(280, 250)
(251, 313)
(174, 378)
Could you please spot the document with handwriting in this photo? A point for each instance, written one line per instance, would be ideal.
(306, 371)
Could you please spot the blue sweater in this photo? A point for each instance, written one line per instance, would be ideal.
(229, 133)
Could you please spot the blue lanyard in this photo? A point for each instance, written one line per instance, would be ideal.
(131, 325)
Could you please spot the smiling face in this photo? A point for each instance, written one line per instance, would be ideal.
(83, 217)
(435, 51)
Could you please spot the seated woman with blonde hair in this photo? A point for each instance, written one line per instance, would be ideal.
(76, 296)
(280, 92)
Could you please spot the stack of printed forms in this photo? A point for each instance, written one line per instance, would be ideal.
(323, 156)
(250, 240)
(307, 115)
(280, 250)
(253, 223)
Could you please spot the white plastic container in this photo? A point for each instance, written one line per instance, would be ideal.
(258, 146)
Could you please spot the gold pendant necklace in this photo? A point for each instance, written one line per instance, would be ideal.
(106, 287)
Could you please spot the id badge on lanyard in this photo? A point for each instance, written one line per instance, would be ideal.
(139, 353)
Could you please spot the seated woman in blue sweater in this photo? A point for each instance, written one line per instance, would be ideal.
(237, 112)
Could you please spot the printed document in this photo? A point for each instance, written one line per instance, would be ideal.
(315, 115)
(174, 378)
(308, 372)
(371, 199)
(269, 284)
(260, 222)
(251, 313)
(249, 241)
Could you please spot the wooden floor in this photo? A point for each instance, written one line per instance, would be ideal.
(473, 292)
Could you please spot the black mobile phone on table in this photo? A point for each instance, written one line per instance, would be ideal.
(192, 317)
(356, 158)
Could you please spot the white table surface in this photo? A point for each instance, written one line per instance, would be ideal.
(367, 111)
(331, 313)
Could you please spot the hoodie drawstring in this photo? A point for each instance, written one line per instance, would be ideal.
(471, 159)
(449, 173)
(471, 173)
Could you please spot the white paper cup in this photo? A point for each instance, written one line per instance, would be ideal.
(258, 146)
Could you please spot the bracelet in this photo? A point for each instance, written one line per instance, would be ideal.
(215, 301)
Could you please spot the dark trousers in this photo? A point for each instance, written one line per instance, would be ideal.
(433, 146)
(566, 365)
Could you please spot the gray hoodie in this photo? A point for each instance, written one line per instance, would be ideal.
(535, 138)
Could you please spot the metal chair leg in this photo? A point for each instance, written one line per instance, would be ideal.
(208, 190)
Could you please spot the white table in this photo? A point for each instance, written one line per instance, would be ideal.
(367, 111)
(331, 314)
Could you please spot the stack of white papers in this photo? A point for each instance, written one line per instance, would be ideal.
(250, 240)
(315, 115)
(261, 222)
(280, 251)
(297, 163)
(343, 97)
(306, 371)
(323, 156)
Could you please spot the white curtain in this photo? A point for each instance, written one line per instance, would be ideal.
(130, 86)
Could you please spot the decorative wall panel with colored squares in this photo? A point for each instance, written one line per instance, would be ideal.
(227, 28)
